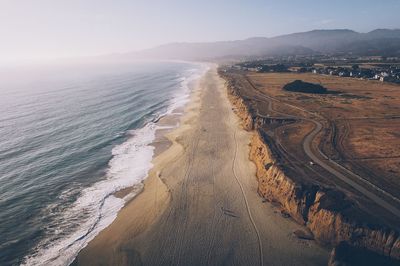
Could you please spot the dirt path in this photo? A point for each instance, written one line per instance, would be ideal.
(209, 212)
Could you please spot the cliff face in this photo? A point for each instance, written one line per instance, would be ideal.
(241, 110)
(323, 210)
(274, 185)
(333, 226)
(344, 254)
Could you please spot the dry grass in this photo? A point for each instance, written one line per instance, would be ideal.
(365, 114)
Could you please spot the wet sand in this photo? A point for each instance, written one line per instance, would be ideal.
(199, 205)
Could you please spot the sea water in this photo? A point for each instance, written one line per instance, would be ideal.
(70, 137)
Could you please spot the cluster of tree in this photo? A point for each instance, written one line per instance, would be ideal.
(274, 68)
(305, 87)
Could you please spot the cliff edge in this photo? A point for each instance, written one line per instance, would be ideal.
(331, 216)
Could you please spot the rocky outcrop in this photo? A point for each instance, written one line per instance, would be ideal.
(346, 255)
(327, 212)
(331, 225)
(242, 110)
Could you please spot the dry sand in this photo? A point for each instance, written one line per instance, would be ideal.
(200, 204)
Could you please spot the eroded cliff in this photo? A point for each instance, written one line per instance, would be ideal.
(329, 214)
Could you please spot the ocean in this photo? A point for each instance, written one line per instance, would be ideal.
(70, 137)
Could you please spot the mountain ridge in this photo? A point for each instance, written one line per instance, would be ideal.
(384, 42)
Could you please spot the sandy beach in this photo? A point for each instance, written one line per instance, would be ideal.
(199, 205)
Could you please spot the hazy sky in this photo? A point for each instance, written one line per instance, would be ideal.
(43, 29)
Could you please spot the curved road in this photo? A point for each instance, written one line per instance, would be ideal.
(345, 173)
(307, 146)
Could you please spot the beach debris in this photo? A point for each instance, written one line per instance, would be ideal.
(268, 165)
(284, 214)
(304, 234)
(228, 212)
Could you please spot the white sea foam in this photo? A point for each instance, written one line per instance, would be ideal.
(97, 206)
(129, 166)
(182, 96)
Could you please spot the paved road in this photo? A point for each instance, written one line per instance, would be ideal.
(370, 190)
(307, 146)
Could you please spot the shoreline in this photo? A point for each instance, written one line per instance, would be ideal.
(166, 148)
(133, 142)
(155, 216)
(165, 124)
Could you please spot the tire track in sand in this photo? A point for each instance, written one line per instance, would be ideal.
(246, 202)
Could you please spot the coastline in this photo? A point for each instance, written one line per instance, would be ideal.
(161, 143)
(124, 174)
(159, 206)
(154, 195)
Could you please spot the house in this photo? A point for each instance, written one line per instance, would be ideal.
(384, 74)
(344, 73)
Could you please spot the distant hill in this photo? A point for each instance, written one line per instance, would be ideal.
(377, 42)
